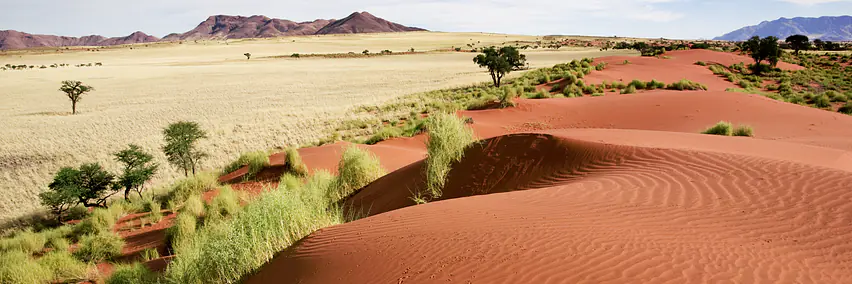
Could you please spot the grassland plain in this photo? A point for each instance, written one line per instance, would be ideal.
(244, 105)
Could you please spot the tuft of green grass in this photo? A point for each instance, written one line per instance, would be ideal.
(507, 96)
(686, 85)
(722, 128)
(289, 181)
(701, 63)
(821, 101)
(27, 241)
(225, 204)
(448, 138)
(846, 109)
(183, 231)
(743, 130)
(227, 251)
(629, 90)
(156, 212)
(136, 273)
(294, 162)
(356, 169)
(18, 267)
(58, 244)
(255, 161)
(64, 267)
(193, 185)
(637, 85)
(97, 248)
(384, 134)
(194, 206)
(150, 254)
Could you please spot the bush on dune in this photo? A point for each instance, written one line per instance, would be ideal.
(18, 267)
(255, 161)
(136, 273)
(193, 185)
(722, 128)
(384, 134)
(99, 247)
(225, 204)
(64, 267)
(448, 138)
(743, 130)
(846, 109)
(356, 169)
(686, 85)
(294, 162)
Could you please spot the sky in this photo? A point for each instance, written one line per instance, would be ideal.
(686, 19)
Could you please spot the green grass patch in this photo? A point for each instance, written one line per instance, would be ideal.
(356, 169)
(743, 130)
(18, 267)
(99, 247)
(255, 161)
(136, 273)
(723, 128)
(686, 85)
(64, 267)
(448, 138)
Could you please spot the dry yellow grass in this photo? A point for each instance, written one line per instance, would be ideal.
(244, 104)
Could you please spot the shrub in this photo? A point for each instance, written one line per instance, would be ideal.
(744, 84)
(743, 130)
(384, 134)
(193, 185)
(295, 55)
(101, 220)
(507, 96)
(289, 181)
(97, 248)
(796, 99)
(63, 266)
(637, 84)
(686, 85)
(150, 254)
(136, 273)
(654, 84)
(294, 162)
(822, 101)
(156, 212)
(182, 231)
(226, 203)
(840, 98)
(18, 267)
(542, 94)
(227, 251)
(194, 206)
(448, 138)
(846, 109)
(618, 85)
(701, 63)
(58, 244)
(255, 161)
(629, 90)
(625, 62)
(27, 241)
(356, 169)
(722, 128)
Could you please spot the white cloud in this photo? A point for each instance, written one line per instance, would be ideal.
(813, 2)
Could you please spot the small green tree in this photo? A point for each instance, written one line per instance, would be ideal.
(500, 61)
(798, 42)
(89, 185)
(180, 145)
(138, 169)
(819, 44)
(763, 49)
(75, 90)
(248, 55)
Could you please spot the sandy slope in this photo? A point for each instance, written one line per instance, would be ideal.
(613, 189)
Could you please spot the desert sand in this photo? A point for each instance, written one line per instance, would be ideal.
(612, 189)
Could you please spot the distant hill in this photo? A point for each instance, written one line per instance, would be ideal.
(218, 27)
(825, 28)
(19, 40)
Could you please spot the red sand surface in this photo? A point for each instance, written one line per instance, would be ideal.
(614, 189)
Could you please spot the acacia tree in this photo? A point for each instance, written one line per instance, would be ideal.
(763, 49)
(180, 145)
(138, 169)
(500, 61)
(75, 90)
(798, 42)
(89, 185)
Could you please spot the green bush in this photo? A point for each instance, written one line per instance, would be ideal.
(618, 85)
(97, 248)
(227, 251)
(58, 244)
(136, 273)
(796, 99)
(743, 130)
(193, 185)
(63, 266)
(448, 138)
(194, 206)
(846, 109)
(289, 181)
(744, 84)
(701, 63)
(840, 98)
(26, 241)
(654, 84)
(821, 101)
(507, 96)
(255, 161)
(150, 254)
(18, 267)
(637, 85)
(686, 85)
(629, 90)
(542, 94)
(183, 230)
(156, 212)
(722, 128)
(101, 220)
(225, 204)
(356, 169)
(294, 162)
(384, 134)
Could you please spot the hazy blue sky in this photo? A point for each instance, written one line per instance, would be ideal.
(645, 18)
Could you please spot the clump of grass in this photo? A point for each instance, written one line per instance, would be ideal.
(63, 266)
(701, 63)
(356, 169)
(507, 97)
(637, 84)
(822, 101)
(840, 98)
(384, 134)
(27, 241)
(183, 230)
(136, 273)
(294, 162)
(255, 161)
(193, 185)
(101, 220)
(629, 90)
(687, 85)
(625, 62)
(846, 109)
(448, 138)
(18, 267)
(227, 251)
(156, 212)
(150, 254)
(58, 244)
(289, 181)
(743, 130)
(542, 94)
(194, 206)
(97, 248)
(654, 84)
(225, 204)
(722, 128)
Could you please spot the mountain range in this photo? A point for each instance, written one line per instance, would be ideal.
(217, 27)
(825, 28)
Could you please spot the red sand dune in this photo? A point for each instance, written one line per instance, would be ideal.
(613, 189)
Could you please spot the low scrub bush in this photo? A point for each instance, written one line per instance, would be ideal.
(654, 84)
(686, 85)
(64, 267)
(384, 134)
(255, 161)
(356, 169)
(821, 101)
(507, 96)
(102, 220)
(637, 84)
(156, 212)
(629, 90)
(97, 248)
(26, 241)
(294, 162)
(840, 98)
(722, 128)
(846, 109)
(701, 63)
(136, 273)
(18, 267)
(225, 204)
(743, 130)
(58, 244)
(193, 185)
(183, 230)
(448, 138)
